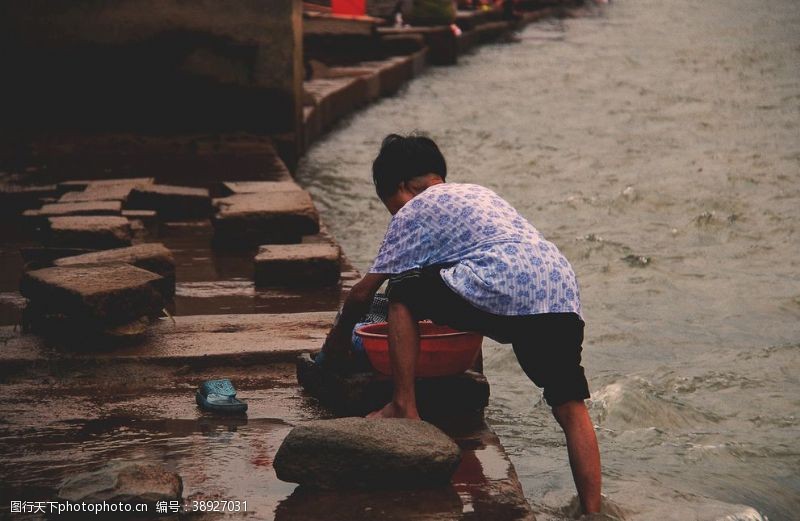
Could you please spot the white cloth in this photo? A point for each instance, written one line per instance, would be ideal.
(500, 262)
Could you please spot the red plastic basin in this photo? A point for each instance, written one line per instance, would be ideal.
(442, 351)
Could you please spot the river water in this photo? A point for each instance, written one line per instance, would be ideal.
(658, 144)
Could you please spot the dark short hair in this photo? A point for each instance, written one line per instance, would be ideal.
(405, 157)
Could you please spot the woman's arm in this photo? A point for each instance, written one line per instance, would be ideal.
(355, 306)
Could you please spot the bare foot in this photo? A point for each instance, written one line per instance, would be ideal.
(392, 410)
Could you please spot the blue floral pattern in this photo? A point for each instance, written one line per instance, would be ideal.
(501, 263)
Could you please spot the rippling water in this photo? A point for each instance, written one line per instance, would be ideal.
(658, 144)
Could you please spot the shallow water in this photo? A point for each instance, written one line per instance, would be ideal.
(658, 144)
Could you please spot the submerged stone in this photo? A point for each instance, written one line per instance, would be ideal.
(153, 257)
(108, 294)
(298, 265)
(249, 220)
(171, 202)
(126, 483)
(367, 453)
(86, 231)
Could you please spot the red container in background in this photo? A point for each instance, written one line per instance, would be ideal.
(442, 351)
(349, 7)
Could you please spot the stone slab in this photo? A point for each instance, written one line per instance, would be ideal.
(360, 393)
(83, 184)
(312, 125)
(14, 199)
(77, 208)
(90, 232)
(442, 43)
(171, 202)
(353, 453)
(109, 294)
(368, 75)
(249, 220)
(298, 265)
(393, 72)
(257, 187)
(196, 341)
(153, 257)
(336, 97)
(147, 218)
(101, 190)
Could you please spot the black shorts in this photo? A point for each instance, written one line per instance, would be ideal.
(548, 345)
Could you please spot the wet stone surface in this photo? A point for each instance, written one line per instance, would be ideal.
(91, 232)
(264, 218)
(110, 294)
(14, 199)
(101, 190)
(298, 265)
(128, 483)
(153, 257)
(255, 187)
(77, 208)
(171, 202)
(364, 453)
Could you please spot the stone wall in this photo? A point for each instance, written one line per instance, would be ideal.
(160, 66)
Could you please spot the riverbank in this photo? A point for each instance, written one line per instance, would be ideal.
(656, 146)
(73, 408)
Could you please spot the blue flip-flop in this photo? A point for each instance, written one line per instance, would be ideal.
(219, 396)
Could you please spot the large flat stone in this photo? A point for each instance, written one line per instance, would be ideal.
(77, 208)
(90, 232)
(298, 265)
(101, 190)
(107, 294)
(153, 257)
(392, 72)
(373, 454)
(171, 202)
(336, 97)
(258, 187)
(196, 341)
(249, 220)
(44, 256)
(359, 393)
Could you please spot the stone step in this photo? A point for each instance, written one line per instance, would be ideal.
(196, 341)
(298, 265)
(104, 294)
(78, 208)
(334, 98)
(101, 190)
(171, 202)
(90, 232)
(229, 188)
(14, 199)
(250, 220)
(361, 453)
(153, 257)
(360, 393)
